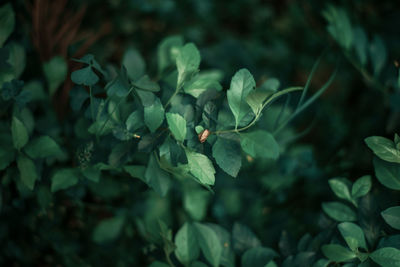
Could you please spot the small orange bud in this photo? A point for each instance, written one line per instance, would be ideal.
(204, 135)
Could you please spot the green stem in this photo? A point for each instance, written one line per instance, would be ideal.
(173, 95)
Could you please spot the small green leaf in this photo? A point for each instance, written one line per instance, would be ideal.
(119, 86)
(241, 85)
(339, 26)
(55, 71)
(154, 115)
(353, 235)
(340, 189)
(134, 121)
(7, 22)
(361, 187)
(337, 253)
(108, 230)
(392, 217)
(387, 257)
(384, 148)
(258, 257)
(260, 144)
(177, 125)
(157, 178)
(167, 52)
(19, 133)
(134, 64)
(227, 154)
(201, 83)
(378, 54)
(187, 63)
(243, 238)
(187, 248)
(199, 129)
(201, 167)
(136, 171)
(256, 98)
(387, 173)
(63, 179)
(146, 84)
(209, 243)
(27, 170)
(85, 76)
(42, 147)
(339, 211)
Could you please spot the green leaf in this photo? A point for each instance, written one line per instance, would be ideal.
(7, 22)
(384, 148)
(187, 248)
(154, 115)
(119, 86)
(42, 147)
(271, 264)
(378, 54)
(17, 58)
(201, 167)
(167, 52)
(146, 84)
(243, 238)
(108, 230)
(85, 76)
(258, 257)
(27, 170)
(392, 217)
(187, 63)
(256, 98)
(361, 187)
(195, 203)
(386, 257)
(158, 264)
(177, 125)
(134, 64)
(157, 178)
(19, 133)
(136, 171)
(353, 235)
(340, 189)
(361, 44)
(339, 26)
(201, 83)
(339, 211)
(209, 243)
(241, 85)
(63, 179)
(387, 173)
(199, 129)
(337, 253)
(228, 156)
(260, 144)
(134, 121)
(55, 71)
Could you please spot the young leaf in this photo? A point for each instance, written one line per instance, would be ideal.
(187, 248)
(260, 144)
(384, 148)
(55, 71)
(201, 167)
(157, 178)
(378, 54)
(42, 147)
(389, 257)
(177, 125)
(63, 179)
(339, 211)
(340, 188)
(187, 62)
(154, 115)
(19, 133)
(241, 85)
(353, 235)
(337, 253)
(209, 243)
(7, 22)
(27, 170)
(108, 230)
(361, 187)
(227, 154)
(85, 76)
(392, 217)
(387, 173)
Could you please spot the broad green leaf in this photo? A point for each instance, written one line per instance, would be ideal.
(259, 144)
(134, 121)
(19, 133)
(209, 243)
(85, 76)
(42, 147)
(63, 179)
(337, 253)
(177, 125)
(392, 217)
(157, 178)
(27, 170)
(154, 115)
(378, 54)
(224, 237)
(386, 257)
(108, 230)
(387, 173)
(339, 211)
(134, 64)
(361, 45)
(144, 83)
(243, 238)
(353, 235)
(91, 173)
(55, 71)
(136, 171)
(7, 22)
(167, 52)
(340, 189)
(195, 203)
(201, 167)
(187, 63)
(256, 98)
(187, 248)
(227, 154)
(241, 85)
(201, 83)
(384, 148)
(361, 187)
(258, 257)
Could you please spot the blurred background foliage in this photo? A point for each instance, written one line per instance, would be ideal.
(279, 201)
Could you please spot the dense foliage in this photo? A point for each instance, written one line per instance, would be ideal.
(199, 133)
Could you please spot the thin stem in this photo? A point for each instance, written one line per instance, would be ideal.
(168, 258)
(173, 95)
